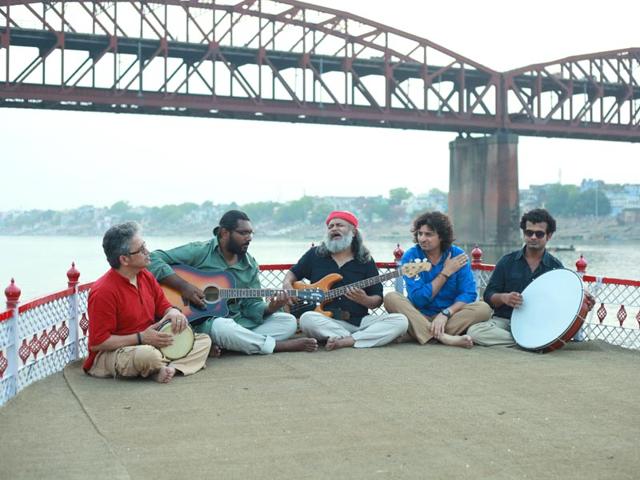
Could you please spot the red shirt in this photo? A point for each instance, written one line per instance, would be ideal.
(116, 307)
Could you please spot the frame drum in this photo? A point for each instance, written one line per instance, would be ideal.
(553, 310)
(182, 343)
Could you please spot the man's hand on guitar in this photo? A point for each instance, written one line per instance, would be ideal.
(277, 301)
(151, 336)
(358, 295)
(193, 295)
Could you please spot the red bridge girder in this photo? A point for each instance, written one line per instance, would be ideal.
(292, 61)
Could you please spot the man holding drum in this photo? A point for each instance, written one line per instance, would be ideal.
(513, 273)
(126, 308)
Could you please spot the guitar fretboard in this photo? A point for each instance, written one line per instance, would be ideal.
(253, 292)
(367, 282)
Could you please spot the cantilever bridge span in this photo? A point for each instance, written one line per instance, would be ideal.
(291, 61)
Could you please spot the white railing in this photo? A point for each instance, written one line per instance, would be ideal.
(39, 338)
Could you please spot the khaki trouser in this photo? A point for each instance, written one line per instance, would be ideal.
(495, 331)
(145, 360)
(420, 325)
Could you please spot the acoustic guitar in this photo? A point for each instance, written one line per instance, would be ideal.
(218, 287)
(324, 284)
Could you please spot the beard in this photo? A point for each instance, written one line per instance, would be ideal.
(338, 244)
(236, 247)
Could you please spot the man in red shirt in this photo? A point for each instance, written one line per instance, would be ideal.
(126, 306)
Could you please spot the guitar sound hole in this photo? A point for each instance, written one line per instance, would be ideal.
(211, 294)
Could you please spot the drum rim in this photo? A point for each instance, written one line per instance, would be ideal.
(193, 340)
(579, 308)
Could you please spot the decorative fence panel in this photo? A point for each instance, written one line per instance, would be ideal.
(41, 337)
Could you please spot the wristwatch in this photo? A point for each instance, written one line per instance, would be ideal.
(447, 313)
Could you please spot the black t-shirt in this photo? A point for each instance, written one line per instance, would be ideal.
(314, 267)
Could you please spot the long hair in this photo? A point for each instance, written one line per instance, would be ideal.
(116, 241)
(358, 250)
(439, 223)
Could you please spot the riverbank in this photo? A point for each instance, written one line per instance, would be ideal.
(569, 231)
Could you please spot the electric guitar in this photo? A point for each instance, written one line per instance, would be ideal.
(218, 287)
(324, 284)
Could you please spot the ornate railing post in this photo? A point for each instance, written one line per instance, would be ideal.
(12, 292)
(397, 255)
(581, 269)
(73, 275)
(581, 266)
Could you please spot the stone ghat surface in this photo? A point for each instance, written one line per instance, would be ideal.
(401, 411)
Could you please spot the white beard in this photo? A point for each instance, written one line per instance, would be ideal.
(338, 244)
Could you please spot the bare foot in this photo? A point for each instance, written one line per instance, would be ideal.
(335, 343)
(464, 341)
(215, 351)
(164, 375)
(304, 344)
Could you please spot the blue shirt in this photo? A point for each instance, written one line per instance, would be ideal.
(460, 287)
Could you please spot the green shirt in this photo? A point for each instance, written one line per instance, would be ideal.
(206, 256)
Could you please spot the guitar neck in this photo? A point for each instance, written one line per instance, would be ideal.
(254, 292)
(367, 282)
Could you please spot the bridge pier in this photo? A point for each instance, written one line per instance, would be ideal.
(483, 189)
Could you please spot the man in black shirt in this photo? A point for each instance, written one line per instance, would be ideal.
(343, 253)
(511, 276)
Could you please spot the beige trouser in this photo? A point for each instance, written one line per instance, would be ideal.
(420, 325)
(495, 331)
(145, 360)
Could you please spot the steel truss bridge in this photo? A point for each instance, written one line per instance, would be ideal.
(292, 61)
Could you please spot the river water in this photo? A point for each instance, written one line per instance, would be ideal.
(39, 264)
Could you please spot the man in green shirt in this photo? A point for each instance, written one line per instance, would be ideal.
(252, 325)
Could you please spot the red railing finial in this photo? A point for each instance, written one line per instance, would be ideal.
(397, 253)
(12, 292)
(581, 265)
(476, 255)
(73, 275)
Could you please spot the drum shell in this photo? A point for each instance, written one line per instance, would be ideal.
(571, 331)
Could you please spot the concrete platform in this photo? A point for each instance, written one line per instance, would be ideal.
(401, 411)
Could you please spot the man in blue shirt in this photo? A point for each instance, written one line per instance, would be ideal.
(442, 302)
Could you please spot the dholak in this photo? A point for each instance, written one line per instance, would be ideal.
(553, 310)
(182, 342)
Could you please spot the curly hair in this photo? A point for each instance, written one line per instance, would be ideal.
(538, 215)
(439, 223)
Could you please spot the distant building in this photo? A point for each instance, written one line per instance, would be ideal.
(629, 216)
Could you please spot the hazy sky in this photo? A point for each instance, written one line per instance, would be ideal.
(63, 160)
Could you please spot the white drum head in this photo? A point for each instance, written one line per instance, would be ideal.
(550, 304)
(182, 342)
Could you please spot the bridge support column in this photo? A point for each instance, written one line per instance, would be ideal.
(483, 189)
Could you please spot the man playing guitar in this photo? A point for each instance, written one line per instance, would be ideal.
(342, 252)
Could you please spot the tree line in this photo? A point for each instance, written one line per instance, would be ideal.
(398, 206)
